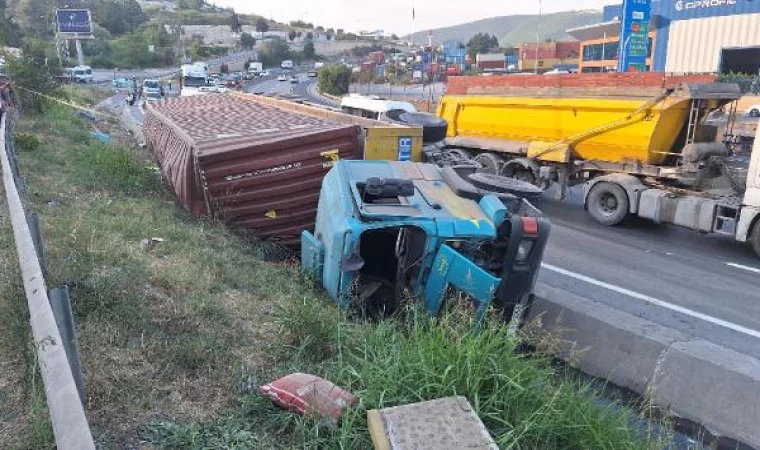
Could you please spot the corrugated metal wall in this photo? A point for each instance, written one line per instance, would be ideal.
(695, 45)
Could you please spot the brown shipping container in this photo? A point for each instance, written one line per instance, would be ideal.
(247, 163)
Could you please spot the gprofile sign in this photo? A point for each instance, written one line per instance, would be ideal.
(74, 22)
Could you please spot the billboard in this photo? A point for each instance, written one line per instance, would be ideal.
(74, 22)
(634, 36)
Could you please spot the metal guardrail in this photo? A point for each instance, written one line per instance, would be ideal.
(62, 387)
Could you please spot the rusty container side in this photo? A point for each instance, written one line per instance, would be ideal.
(249, 164)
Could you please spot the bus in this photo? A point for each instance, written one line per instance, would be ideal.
(372, 107)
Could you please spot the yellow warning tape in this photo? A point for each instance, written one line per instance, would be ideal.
(69, 104)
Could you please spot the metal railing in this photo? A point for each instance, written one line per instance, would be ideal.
(52, 323)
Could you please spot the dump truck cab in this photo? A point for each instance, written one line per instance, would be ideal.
(388, 229)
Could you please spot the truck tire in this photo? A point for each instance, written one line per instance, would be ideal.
(608, 203)
(433, 127)
(755, 113)
(491, 163)
(504, 185)
(755, 238)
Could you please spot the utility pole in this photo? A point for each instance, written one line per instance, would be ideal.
(538, 34)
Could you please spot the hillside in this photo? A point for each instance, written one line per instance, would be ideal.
(513, 30)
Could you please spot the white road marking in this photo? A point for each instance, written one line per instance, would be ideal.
(747, 268)
(654, 301)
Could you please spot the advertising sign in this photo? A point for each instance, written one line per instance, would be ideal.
(74, 22)
(634, 36)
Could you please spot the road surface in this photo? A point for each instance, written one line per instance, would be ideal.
(707, 286)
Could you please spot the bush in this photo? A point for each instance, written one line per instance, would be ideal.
(334, 80)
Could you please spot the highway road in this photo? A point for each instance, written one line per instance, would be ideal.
(706, 286)
(305, 89)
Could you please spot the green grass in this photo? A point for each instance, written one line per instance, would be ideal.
(177, 334)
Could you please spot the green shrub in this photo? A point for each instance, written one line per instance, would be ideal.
(335, 80)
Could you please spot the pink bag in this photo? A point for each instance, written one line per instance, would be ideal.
(309, 394)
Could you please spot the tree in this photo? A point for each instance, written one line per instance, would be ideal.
(481, 43)
(309, 36)
(247, 41)
(394, 37)
(118, 17)
(262, 26)
(340, 32)
(308, 50)
(273, 52)
(334, 80)
(321, 29)
(224, 68)
(235, 23)
(330, 31)
(33, 70)
(292, 35)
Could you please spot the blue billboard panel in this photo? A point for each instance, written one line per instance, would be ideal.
(73, 21)
(634, 36)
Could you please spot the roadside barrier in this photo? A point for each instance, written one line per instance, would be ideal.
(54, 334)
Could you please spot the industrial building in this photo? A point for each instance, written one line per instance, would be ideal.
(686, 36)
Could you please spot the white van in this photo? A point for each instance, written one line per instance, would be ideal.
(372, 107)
(82, 74)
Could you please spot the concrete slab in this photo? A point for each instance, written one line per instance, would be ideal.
(698, 380)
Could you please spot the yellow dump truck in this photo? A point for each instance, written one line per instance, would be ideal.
(658, 157)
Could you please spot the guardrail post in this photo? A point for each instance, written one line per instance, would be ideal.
(60, 302)
(33, 219)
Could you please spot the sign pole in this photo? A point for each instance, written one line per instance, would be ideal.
(80, 53)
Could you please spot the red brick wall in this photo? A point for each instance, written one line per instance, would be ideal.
(462, 85)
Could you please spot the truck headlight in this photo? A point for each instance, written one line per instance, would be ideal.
(523, 250)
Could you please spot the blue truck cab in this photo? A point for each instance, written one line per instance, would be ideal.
(387, 231)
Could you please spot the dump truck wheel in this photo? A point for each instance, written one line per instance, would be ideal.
(460, 153)
(433, 127)
(755, 113)
(755, 238)
(504, 185)
(608, 203)
(491, 163)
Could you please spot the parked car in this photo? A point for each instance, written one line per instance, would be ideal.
(313, 74)
(282, 78)
(264, 73)
(294, 80)
(121, 83)
(754, 110)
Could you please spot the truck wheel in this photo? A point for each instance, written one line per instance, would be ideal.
(755, 113)
(608, 203)
(755, 238)
(491, 163)
(504, 185)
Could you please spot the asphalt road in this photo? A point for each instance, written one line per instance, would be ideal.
(707, 286)
(305, 89)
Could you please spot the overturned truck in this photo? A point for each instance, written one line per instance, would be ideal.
(386, 230)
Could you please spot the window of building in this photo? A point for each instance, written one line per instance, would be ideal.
(607, 51)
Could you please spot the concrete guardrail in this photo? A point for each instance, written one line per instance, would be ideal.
(70, 426)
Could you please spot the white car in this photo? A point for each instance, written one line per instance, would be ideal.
(264, 73)
(754, 111)
(282, 78)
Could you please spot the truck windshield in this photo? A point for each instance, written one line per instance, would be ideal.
(195, 81)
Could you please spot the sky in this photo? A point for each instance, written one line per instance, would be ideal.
(395, 16)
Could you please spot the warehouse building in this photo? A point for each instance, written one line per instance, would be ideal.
(686, 36)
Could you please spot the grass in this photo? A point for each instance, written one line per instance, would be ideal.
(177, 333)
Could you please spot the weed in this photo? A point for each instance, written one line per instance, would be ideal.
(26, 142)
